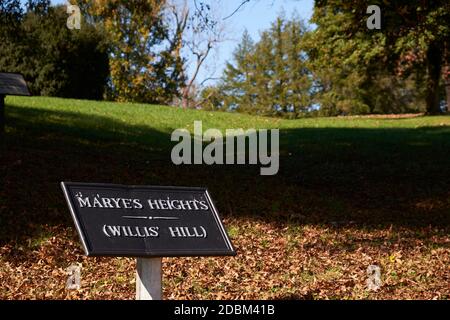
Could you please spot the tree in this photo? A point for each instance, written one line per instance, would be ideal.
(238, 85)
(198, 26)
(53, 59)
(144, 63)
(413, 37)
(349, 75)
(11, 15)
(270, 77)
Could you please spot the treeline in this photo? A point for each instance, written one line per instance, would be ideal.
(340, 67)
(136, 51)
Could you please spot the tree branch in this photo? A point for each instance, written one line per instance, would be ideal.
(237, 9)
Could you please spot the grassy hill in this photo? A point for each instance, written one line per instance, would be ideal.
(350, 192)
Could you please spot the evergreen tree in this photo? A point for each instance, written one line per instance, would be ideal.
(269, 77)
(299, 81)
(237, 88)
(264, 73)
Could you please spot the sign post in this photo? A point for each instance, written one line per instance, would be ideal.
(147, 222)
(148, 279)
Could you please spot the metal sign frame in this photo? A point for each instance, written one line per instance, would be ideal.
(226, 250)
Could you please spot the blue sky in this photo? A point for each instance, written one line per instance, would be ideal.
(255, 16)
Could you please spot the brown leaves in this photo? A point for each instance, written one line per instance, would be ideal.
(274, 261)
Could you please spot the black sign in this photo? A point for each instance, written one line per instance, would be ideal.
(13, 84)
(117, 220)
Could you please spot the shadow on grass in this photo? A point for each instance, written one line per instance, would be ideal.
(366, 178)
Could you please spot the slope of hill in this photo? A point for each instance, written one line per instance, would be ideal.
(350, 192)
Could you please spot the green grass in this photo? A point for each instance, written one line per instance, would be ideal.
(332, 170)
(166, 119)
(145, 125)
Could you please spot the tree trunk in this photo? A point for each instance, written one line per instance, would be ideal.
(434, 61)
(2, 114)
(185, 98)
(446, 77)
(447, 92)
